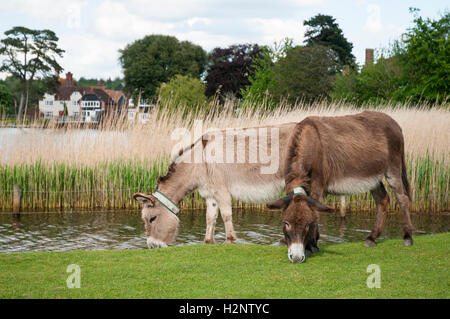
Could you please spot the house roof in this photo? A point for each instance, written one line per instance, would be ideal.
(90, 97)
(64, 93)
(115, 95)
(102, 94)
(68, 86)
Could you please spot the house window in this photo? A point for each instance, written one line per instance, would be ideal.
(76, 113)
(48, 115)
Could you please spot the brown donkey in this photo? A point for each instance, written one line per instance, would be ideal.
(341, 155)
(244, 174)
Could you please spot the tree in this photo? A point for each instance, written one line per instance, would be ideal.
(424, 59)
(417, 69)
(257, 92)
(29, 54)
(182, 91)
(305, 73)
(230, 68)
(373, 84)
(5, 100)
(155, 59)
(109, 83)
(323, 30)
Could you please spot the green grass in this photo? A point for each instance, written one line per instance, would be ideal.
(234, 271)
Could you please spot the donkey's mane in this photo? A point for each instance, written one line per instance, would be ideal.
(293, 170)
(173, 165)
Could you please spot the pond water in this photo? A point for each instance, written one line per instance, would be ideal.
(61, 231)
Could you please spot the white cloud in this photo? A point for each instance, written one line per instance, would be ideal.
(271, 30)
(65, 11)
(198, 21)
(373, 22)
(114, 20)
(360, 2)
(305, 3)
(169, 9)
(207, 40)
(91, 56)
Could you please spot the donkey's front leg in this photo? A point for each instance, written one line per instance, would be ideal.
(224, 202)
(212, 210)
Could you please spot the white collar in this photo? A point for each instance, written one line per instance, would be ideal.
(298, 190)
(166, 202)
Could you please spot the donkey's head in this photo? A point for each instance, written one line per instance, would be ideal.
(300, 224)
(161, 225)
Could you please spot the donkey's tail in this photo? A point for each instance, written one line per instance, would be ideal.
(405, 178)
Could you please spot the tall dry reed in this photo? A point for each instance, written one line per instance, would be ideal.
(75, 166)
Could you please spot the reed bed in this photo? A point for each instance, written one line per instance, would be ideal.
(77, 167)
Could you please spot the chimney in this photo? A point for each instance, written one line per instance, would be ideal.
(69, 80)
(369, 56)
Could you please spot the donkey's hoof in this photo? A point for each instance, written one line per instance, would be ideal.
(369, 243)
(230, 238)
(209, 241)
(314, 249)
(308, 253)
(408, 242)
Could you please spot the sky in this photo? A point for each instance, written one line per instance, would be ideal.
(92, 32)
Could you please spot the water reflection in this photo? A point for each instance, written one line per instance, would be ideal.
(125, 230)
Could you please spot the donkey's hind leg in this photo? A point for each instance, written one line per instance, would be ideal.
(396, 183)
(381, 198)
(212, 210)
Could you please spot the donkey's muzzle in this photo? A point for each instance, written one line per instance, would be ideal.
(155, 243)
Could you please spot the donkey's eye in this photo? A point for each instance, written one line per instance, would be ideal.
(286, 224)
(151, 220)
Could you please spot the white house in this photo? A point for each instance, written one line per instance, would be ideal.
(141, 112)
(50, 106)
(91, 108)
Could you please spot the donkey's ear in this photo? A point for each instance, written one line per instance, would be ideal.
(318, 205)
(281, 203)
(313, 235)
(145, 198)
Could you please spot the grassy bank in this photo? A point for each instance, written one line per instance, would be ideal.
(234, 271)
(79, 168)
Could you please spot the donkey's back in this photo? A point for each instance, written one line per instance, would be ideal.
(356, 151)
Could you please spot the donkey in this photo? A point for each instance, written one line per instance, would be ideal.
(341, 155)
(243, 175)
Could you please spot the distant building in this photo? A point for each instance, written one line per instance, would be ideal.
(91, 108)
(81, 103)
(55, 105)
(140, 112)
